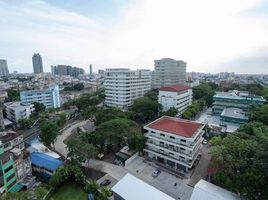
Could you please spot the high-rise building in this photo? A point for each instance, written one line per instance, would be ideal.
(123, 85)
(167, 72)
(90, 69)
(3, 68)
(37, 63)
(50, 97)
(66, 70)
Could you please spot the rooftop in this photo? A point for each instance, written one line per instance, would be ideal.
(234, 113)
(235, 94)
(204, 190)
(175, 88)
(16, 104)
(7, 136)
(142, 190)
(181, 127)
(45, 161)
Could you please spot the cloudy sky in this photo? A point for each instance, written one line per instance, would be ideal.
(210, 35)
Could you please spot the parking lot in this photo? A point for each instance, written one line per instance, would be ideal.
(167, 183)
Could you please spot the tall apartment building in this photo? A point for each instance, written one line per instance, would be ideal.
(177, 96)
(37, 63)
(235, 99)
(16, 110)
(123, 85)
(167, 72)
(173, 142)
(3, 68)
(66, 70)
(50, 97)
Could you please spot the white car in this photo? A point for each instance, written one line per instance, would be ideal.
(204, 141)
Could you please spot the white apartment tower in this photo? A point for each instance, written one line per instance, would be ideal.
(177, 96)
(174, 143)
(123, 85)
(168, 71)
(3, 68)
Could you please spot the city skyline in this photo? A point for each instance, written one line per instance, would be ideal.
(219, 36)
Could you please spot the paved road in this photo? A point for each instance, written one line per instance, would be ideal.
(60, 146)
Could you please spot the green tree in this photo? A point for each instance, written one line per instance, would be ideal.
(172, 112)
(49, 132)
(26, 123)
(62, 119)
(260, 114)
(39, 107)
(145, 109)
(13, 95)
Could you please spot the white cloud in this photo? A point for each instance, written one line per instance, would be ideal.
(203, 33)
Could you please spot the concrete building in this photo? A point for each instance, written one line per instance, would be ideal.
(173, 142)
(177, 96)
(3, 68)
(123, 190)
(37, 63)
(50, 97)
(67, 70)
(168, 71)
(204, 190)
(16, 110)
(235, 99)
(233, 115)
(123, 86)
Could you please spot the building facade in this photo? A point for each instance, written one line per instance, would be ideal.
(123, 86)
(177, 96)
(174, 143)
(3, 68)
(16, 110)
(233, 115)
(50, 97)
(37, 63)
(66, 70)
(167, 72)
(235, 99)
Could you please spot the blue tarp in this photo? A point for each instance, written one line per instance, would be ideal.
(45, 161)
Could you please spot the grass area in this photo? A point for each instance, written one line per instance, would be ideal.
(69, 191)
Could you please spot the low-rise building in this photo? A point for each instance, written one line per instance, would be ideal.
(235, 99)
(234, 115)
(17, 110)
(173, 142)
(123, 190)
(50, 97)
(177, 96)
(204, 190)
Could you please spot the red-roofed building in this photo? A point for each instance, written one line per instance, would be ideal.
(174, 142)
(177, 96)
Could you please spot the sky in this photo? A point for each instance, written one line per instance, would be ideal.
(210, 35)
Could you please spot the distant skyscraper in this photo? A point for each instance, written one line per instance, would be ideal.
(3, 68)
(167, 72)
(90, 69)
(37, 63)
(66, 70)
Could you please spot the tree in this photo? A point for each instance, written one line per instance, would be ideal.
(261, 114)
(172, 112)
(152, 94)
(49, 132)
(13, 95)
(26, 123)
(100, 193)
(39, 107)
(145, 109)
(137, 142)
(80, 150)
(62, 119)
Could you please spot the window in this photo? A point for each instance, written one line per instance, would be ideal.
(171, 137)
(182, 149)
(153, 132)
(10, 177)
(182, 140)
(9, 168)
(161, 134)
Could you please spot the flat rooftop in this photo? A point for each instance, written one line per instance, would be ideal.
(132, 188)
(234, 113)
(180, 127)
(234, 94)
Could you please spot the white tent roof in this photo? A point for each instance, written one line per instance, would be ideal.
(132, 188)
(204, 190)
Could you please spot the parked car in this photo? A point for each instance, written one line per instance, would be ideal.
(105, 182)
(156, 173)
(204, 141)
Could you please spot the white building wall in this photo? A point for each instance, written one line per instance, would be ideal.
(123, 86)
(179, 100)
(15, 111)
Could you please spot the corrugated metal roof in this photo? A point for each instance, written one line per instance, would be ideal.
(45, 161)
